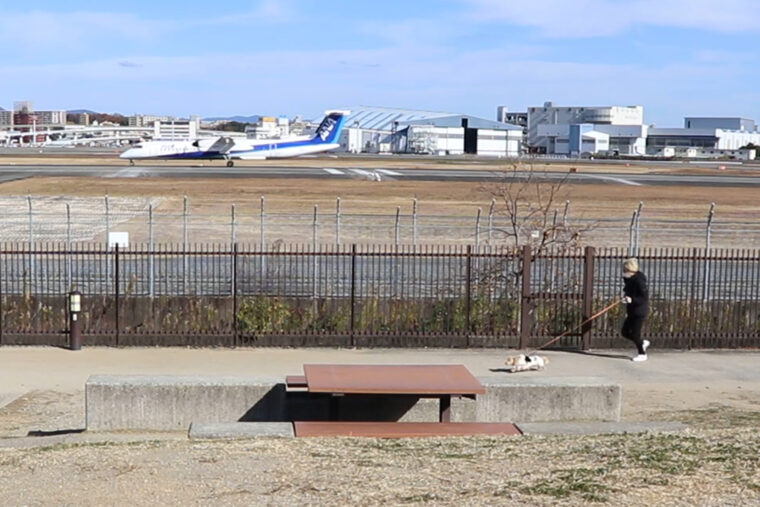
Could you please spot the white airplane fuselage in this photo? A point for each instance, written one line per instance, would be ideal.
(229, 148)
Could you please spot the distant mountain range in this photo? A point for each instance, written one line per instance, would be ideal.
(81, 111)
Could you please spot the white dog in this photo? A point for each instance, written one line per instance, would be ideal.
(523, 362)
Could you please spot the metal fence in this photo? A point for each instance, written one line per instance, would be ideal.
(371, 295)
(83, 220)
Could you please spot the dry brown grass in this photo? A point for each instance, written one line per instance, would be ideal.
(695, 467)
(215, 196)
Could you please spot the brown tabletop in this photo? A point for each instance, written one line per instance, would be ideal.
(391, 379)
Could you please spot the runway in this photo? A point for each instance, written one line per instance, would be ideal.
(19, 172)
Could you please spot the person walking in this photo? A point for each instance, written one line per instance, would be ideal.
(636, 299)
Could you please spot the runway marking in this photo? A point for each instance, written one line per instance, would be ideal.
(617, 180)
(333, 171)
(388, 172)
(361, 172)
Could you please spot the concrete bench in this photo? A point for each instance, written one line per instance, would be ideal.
(172, 403)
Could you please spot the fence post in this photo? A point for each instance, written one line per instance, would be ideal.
(68, 248)
(693, 297)
(564, 215)
(397, 226)
(337, 221)
(414, 221)
(31, 245)
(477, 227)
(490, 220)
(526, 320)
(184, 245)
(314, 241)
(233, 225)
(116, 287)
(262, 242)
(353, 293)
(630, 234)
(638, 228)
(588, 295)
(708, 247)
(235, 333)
(107, 205)
(468, 300)
(151, 255)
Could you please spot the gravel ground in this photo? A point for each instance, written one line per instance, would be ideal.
(45, 459)
(697, 467)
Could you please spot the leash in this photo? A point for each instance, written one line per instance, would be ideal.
(595, 316)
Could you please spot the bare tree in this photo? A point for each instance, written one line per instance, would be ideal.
(530, 202)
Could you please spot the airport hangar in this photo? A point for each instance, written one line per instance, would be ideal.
(391, 130)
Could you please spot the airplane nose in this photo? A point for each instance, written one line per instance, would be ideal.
(128, 154)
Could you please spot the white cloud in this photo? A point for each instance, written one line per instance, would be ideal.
(592, 18)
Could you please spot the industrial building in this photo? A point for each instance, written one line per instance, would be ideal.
(618, 128)
(621, 131)
(709, 136)
(382, 129)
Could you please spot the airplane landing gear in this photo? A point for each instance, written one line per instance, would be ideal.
(230, 163)
(131, 162)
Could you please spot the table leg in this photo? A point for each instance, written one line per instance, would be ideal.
(333, 414)
(444, 412)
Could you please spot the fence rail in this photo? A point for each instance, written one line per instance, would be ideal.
(236, 294)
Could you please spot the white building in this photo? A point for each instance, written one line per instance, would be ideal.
(176, 129)
(375, 129)
(602, 120)
(6, 119)
(147, 120)
(702, 138)
(269, 127)
(574, 140)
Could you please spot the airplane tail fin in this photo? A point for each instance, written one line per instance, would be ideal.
(329, 130)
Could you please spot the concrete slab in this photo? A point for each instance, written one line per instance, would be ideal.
(545, 399)
(597, 427)
(173, 402)
(240, 430)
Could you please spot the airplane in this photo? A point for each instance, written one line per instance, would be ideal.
(326, 138)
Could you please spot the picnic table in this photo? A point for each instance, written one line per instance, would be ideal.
(424, 381)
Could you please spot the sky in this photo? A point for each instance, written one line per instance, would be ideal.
(300, 57)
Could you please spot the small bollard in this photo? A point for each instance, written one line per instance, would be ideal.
(75, 325)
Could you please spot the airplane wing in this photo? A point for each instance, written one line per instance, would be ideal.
(222, 145)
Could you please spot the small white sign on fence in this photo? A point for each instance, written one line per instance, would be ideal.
(120, 239)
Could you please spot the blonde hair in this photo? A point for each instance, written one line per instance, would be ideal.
(631, 265)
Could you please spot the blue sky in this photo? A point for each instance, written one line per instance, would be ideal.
(675, 57)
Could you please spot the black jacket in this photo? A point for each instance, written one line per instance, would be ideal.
(636, 289)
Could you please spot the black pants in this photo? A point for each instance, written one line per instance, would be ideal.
(632, 331)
